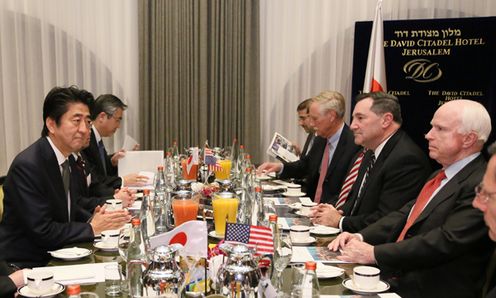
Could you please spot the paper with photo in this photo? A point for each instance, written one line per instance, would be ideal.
(129, 143)
(287, 222)
(282, 148)
(301, 254)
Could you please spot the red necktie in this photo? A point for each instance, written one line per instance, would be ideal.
(323, 173)
(421, 202)
(350, 180)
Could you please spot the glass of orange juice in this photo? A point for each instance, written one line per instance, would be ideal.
(189, 174)
(184, 207)
(225, 206)
(224, 172)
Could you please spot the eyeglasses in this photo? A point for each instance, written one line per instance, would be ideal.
(483, 195)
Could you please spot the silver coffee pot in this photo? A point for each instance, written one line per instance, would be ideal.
(163, 277)
(239, 276)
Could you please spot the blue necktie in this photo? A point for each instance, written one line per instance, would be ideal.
(101, 149)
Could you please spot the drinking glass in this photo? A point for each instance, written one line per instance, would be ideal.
(113, 280)
(123, 244)
(225, 210)
(283, 250)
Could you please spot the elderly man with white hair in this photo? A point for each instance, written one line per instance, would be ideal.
(436, 245)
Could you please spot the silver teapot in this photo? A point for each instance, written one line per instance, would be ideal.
(163, 277)
(239, 276)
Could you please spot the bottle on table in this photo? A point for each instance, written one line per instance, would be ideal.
(309, 283)
(136, 260)
(146, 215)
(73, 291)
(258, 215)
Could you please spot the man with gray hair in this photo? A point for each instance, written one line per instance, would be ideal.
(106, 114)
(392, 172)
(324, 167)
(436, 245)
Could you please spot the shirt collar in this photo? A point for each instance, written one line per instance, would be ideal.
(98, 137)
(334, 139)
(60, 157)
(454, 168)
(379, 148)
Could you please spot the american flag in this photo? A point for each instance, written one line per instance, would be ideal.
(257, 237)
(210, 160)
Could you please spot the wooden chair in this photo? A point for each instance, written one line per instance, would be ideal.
(2, 179)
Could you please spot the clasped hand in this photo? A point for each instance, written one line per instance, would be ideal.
(353, 249)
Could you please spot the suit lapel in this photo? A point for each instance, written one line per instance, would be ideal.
(55, 177)
(450, 188)
(340, 148)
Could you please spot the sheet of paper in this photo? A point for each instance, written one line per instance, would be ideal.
(140, 161)
(129, 143)
(77, 274)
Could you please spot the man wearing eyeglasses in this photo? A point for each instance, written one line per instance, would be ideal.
(485, 198)
(107, 113)
(437, 244)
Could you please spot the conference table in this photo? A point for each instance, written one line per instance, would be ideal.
(332, 286)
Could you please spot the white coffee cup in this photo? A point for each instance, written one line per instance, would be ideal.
(110, 238)
(305, 208)
(293, 188)
(39, 282)
(366, 277)
(299, 233)
(113, 204)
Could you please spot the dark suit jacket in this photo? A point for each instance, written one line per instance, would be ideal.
(446, 250)
(309, 166)
(7, 286)
(92, 155)
(35, 216)
(82, 193)
(396, 178)
(310, 137)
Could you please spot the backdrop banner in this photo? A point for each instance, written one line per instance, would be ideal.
(429, 62)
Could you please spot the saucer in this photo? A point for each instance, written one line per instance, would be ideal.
(70, 254)
(105, 247)
(213, 234)
(381, 287)
(56, 289)
(293, 194)
(309, 240)
(323, 230)
(301, 214)
(326, 271)
(263, 177)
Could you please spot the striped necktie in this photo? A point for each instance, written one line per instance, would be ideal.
(350, 180)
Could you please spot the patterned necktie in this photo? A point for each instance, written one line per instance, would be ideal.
(323, 172)
(367, 172)
(101, 149)
(350, 180)
(422, 201)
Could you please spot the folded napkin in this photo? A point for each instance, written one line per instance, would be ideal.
(78, 274)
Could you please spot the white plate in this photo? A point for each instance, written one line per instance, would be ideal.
(263, 177)
(272, 187)
(56, 289)
(309, 240)
(214, 235)
(70, 254)
(323, 230)
(293, 194)
(301, 214)
(105, 247)
(381, 287)
(295, 206)
(325, 271)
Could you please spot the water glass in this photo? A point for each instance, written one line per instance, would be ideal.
(283, 250)
(113, 280)
(123, 244)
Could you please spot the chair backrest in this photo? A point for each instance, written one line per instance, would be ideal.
(2, 179)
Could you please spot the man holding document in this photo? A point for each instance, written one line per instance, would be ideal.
(107, 113)
(324, 167)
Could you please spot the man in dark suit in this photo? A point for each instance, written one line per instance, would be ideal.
(325, 165)
(392, 172)
(304, 122)
(436, 245)
(485, 198)
(106, 113)
(40, 213)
